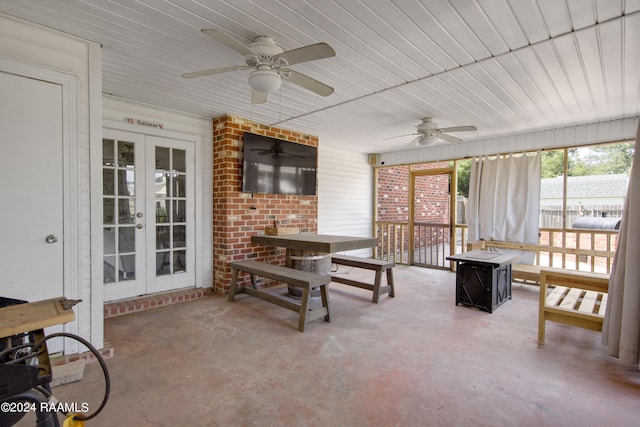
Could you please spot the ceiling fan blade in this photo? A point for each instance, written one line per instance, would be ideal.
(225, 39)
(214, 71)
(414, 141)
(449, 138)
(400, 136)
(308, 83)
(458, 129)
(308, 53)
(258, 97)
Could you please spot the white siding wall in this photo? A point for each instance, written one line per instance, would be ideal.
(616, 130)
(345, 193)
(34, 45)
(185, 127)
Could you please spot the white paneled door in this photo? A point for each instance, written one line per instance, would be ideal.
(31, 190)
(148, 216)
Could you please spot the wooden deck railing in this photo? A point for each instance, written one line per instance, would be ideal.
(575, 249)
(393, 241)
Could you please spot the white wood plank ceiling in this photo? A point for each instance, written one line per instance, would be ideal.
(505, 66)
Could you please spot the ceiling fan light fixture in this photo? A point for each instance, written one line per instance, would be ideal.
(427, 140)
(266, 81)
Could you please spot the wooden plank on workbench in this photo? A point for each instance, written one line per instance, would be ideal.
(33, 316)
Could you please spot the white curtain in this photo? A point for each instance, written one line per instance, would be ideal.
(621, 329)
(504, 200)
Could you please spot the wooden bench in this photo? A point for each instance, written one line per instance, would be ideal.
(530, 274)
(377, 265)
(577, 299)
(304, 279)
(519, 272)
(525, 273)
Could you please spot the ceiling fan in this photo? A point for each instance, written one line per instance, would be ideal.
(429, 133)
(270, 64)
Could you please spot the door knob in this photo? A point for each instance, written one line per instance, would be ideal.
(51, 238)
(139, 225)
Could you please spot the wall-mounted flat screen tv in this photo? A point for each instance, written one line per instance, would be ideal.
(276, 166)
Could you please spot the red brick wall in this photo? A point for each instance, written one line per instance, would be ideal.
(431, 202)
(393, 194)
(237, 216)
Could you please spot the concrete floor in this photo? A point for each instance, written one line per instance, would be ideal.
(414, 360)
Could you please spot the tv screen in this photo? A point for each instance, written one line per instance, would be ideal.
(275, 166)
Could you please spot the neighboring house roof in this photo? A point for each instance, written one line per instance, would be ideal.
(585, 186)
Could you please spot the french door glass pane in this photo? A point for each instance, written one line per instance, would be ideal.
(109, 241)
(179, 186)
(179, 261)
(119, 209)
(107, 152)
(108, 182)
(162, 184)
(162, 211)
(162, 159)
(126, 155)
(179, 210)
(179, 164)
(126, 239)
(108, 211)
(126, 181)
(163, 239)
(179, 236)
(163, 266)
(126, 210)
(170, 202)
(127, 267)
(109, 269)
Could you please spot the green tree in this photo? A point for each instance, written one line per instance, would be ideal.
(576, 166)
(597, 160)
(464, 172)
(609, 159)
(552, 164)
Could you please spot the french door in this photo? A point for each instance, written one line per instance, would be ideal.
(148, 214)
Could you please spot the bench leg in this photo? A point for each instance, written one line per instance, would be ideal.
(541, 313)
(392, 288)
(304, 308)
(541, 331)
(306, 314)
(324, 294)
(376, 286)
(232, 290)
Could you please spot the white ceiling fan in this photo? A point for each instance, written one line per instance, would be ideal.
(429, 133)
(270, 65)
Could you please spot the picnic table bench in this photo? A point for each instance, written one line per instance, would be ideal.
(377, 265)
(303, 279)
